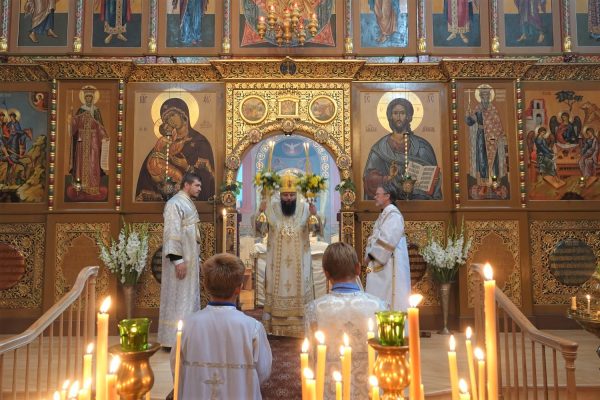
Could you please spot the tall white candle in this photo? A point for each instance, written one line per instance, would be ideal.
(111, 378)
(414, 345)
(347, 368)
(224, 231)
(371, 350)
(464, 390)
(87, 362)
(453, 365)
(489, 287)
(303, 366)
(177, 361)
(589, 303)
(480, 372)
(469, 346)
(374, 387)
(102, 350)
(321, 356)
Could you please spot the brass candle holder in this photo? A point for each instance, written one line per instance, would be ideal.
(391, 369)
(135, 377)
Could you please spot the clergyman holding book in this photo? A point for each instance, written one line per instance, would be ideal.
(391, 160)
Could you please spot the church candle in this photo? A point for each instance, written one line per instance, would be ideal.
(374, 387)
(111, 378)
(371, 350)
(224, 230)
(74, 391)
(347, 368)
(573, 303)
(102, 350)
(589, 299)
(481, 373)
(309, 376)
(453, 368)
(469, 345)
(321, 355)
(414, 346)
(64, 389)
(56, 395)
(271, 148)
(177, 361)
(489, 287)
(303, 365)
(87, 363)
(337, 377)
(306, 153)
(464, 390)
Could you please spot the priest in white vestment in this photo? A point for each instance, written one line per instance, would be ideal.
(387, 254)
(346, 309)
(288, 276)
(180, 277)
(224, 353)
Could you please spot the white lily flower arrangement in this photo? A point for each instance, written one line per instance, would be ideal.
(444, 261)
(126, 256)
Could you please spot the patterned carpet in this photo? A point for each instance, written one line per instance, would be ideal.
(285, 371)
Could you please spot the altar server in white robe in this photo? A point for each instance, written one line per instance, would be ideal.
(346, 309)
(180, 289)
(224, 353)
(387, 253)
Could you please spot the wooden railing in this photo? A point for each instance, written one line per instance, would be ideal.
(524, 370)
(37, 361)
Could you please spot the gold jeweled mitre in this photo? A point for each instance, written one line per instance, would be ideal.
(288, 183)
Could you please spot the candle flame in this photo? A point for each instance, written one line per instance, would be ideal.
(90, 348)
(479, 353)
(115, 362)
(66, 384)
(308, 373)
(415, 299)
(179, 326)
(488, 272)
(224, 212)
(373, 381)
(452, 343)
(469, 333)
(105, 305)
(342, 350)
(305, 345)
(346, 340)
(74, 389)
(56, 395)
(337, 376)
(320, 336)
(462, 386)
(370, 324)
(587, 296)
(271, 143)
(87, 385)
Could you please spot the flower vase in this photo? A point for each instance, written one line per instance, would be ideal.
(128, 299)
(444, 293)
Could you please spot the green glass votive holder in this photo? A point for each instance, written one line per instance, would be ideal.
(391, 327)
(134, 334)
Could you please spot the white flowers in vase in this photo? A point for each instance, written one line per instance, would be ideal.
(443, 261)
(126, 257)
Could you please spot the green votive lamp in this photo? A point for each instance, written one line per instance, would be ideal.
(391, 327)
(134, 334)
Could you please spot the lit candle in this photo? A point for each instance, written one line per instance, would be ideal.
(73, 391)
(102, 350)
(85, 392)
(271, 148)
(87, 362)
(347, 368)
(309, 377)
(414, 346)
(464, 390)
(371, 350)
(337, 377)
(470, 362)
(574, 303)
(303, 366)
(56, 395)
(374, 387)
(589, 308)
(490, 331)
(224, 230)
(453, 368)
(111, 378)
(177, 361)
(321, 353)
(481, 372)
(64, 390)
(422, 392)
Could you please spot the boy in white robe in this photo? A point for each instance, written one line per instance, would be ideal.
(224, 353)
(346, 309)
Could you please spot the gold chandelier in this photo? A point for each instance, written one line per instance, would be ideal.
(286, 23)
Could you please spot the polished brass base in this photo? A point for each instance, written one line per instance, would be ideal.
(135, 377)
(391, 369)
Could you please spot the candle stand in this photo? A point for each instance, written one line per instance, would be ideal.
(391, 369)
(589, 322)
(135, 376)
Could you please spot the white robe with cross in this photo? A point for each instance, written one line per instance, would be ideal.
(224, 355)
